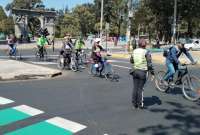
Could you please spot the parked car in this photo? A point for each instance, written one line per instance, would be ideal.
(193, 44)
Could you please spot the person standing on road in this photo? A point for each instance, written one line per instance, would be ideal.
(141, 64)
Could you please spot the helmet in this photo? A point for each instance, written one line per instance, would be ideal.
(97, 40)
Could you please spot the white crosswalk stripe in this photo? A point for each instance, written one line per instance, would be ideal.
(4, 101)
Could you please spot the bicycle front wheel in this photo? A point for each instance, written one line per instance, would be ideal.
(191, 88)
(158, 82)
(45, 56)
(61, 62)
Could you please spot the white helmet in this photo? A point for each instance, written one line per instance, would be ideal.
(97, 40)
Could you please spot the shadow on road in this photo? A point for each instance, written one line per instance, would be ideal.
(175, 91)
(184, 120)
(150, 101)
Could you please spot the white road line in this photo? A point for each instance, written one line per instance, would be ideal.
(4, 101)
(66, 124)
(29, 56)
(121, 66)
(28, 110)
(118, 61)
(44, 63)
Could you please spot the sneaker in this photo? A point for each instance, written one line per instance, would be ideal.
(82, 67)
(143, 107)
(135, 107)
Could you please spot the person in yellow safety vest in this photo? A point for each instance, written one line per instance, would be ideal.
(41, 42)
(141, 64)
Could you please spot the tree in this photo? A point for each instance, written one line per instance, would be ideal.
(143, 21)
(2, 13)
(188, 11)
(86, 18)
(70, 24)
(114, 13)
(24, 4)
(6, 24)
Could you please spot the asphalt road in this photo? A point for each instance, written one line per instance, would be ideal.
(103, 106)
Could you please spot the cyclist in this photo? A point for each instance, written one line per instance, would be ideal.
(41, 42)
(12, 44)
(173, 63)
(79, 45)
(67, 47)
(182, 49)
(141, 60)
(96, 53)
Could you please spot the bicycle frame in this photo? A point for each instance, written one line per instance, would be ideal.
(186, 74)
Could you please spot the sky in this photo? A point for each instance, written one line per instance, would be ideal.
(57, 4)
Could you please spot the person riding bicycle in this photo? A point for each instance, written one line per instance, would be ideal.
(182, 49)
(12, 43)
(173, 64)
(79, 45)
(67, 47)
(41, 42)
(96, 53)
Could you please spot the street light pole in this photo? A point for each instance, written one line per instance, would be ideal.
(101, 23)
(174, 23)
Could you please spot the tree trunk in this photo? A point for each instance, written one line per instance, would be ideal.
(190, 28)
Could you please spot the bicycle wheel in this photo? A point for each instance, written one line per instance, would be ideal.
(37, 54)
(61, 62)
(17, 55)
(191, 88)
(45, 55)
(158, 81)
(74, 64)
(84, 59)
(92, 69)
(108, 71)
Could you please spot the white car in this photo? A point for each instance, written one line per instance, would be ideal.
(193, 44)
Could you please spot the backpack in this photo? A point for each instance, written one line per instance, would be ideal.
(166, 52)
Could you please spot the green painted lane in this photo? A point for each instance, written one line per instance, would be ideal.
(11, 115)
(42, 128)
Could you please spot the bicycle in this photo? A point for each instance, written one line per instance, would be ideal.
(103, 69)
(81, 57)
(190, 84)
(14, 53)
(67, 60)
(41, 54)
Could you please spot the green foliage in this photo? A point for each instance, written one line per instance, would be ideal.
(86, 19)
(152, 17)
(6, 24)
(24, 4)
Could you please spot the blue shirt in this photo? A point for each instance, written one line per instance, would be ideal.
(173, 55)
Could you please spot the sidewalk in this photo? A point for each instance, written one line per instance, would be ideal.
(158, 57)
(16, 70)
